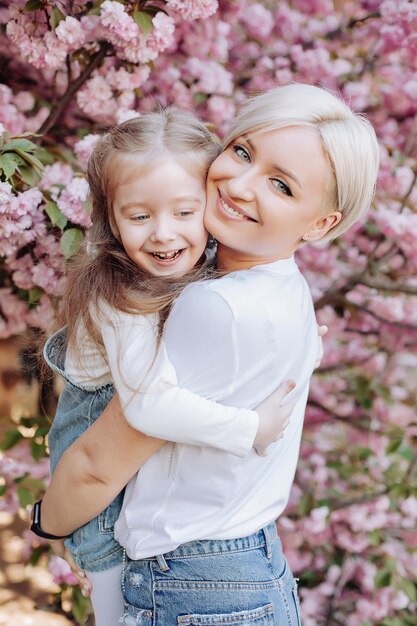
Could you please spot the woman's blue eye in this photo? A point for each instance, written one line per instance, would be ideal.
(281, 186)
(241, 152)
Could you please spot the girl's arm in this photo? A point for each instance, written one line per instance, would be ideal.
(154, 404)
(93, 471)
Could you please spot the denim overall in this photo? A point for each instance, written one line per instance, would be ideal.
(92, 546)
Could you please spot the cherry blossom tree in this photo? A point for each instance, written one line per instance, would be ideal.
(71, 69)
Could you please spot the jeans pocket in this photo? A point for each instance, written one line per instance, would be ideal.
(108, 518)
(263, 616)
(136, 617)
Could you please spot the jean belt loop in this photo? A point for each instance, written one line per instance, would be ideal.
(268, 542)
(163, 565)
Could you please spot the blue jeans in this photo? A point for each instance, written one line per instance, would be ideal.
(92, 546)
(242, 582)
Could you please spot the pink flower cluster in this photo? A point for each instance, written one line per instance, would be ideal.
(129, 41)
(193, 9)
(19, 218)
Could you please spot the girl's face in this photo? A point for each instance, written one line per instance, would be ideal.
(158, 213)
(265, 192)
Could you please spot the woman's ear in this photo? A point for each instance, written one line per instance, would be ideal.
(323, 226)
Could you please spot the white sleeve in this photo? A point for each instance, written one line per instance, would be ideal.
(146, 382)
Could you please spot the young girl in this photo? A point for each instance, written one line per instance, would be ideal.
(147, 180)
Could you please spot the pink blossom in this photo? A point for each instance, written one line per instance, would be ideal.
(71, 33)
(72, 199)
(61, 571)
(210, 77)
(193, 9)
(258, 20)
(84, 148)
(54, 175)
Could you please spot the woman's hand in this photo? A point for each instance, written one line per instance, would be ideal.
(58, 546)
(273, 417)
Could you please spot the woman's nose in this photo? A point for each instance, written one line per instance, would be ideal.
(242, 186)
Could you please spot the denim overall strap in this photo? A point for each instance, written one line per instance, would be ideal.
(55, 350)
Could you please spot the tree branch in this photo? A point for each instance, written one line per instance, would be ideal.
(72, 89)
(387, 286)
(341, 418)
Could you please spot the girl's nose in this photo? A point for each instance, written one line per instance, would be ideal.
(163, 231)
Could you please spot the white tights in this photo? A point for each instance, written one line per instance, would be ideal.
(106, 597)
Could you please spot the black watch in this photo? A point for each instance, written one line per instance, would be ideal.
(36, 524)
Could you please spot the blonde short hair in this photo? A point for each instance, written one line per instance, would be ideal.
(348, 139)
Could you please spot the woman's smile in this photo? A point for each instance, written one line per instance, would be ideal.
(231, 209)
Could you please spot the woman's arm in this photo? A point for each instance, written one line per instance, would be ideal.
(94, 470)
(101, 462)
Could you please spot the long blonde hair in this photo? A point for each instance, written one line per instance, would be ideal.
(102, 272)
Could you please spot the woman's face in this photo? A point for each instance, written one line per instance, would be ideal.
(265, 192)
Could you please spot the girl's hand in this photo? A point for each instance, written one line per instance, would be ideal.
(322, 330)
(58, 546)
(273, 418)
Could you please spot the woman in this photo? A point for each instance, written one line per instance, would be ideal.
(298, 166)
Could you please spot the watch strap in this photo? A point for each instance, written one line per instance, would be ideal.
(36, 524)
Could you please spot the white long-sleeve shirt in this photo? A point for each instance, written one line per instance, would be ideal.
(234, 340)
(133, 363)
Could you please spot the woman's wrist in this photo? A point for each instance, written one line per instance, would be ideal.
(36, 528)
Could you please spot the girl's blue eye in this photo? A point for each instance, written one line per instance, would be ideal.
(140, 218)
(241, 152)
(281, 186)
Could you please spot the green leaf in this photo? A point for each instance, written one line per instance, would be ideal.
(29, 175)
(8, 165)
(374, 537)
(383, 578)
(23, 145)
(25, 496)
(395, 443)
(35, 295)
(71, 241)
(31, 159)
(200, 97)
(144, 21)
(406, 452)
(46, 156)
(81, 607)
(38, 450)
(3, 490)
(410, 589)
(56, 17)
(36, 555)
(33, 5)
(305, 505)
(57, 218)
(10, 439)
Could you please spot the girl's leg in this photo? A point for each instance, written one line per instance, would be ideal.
(106, 597)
